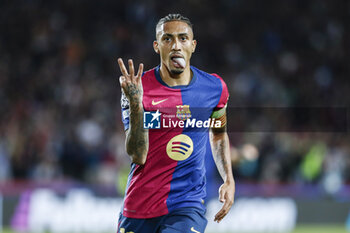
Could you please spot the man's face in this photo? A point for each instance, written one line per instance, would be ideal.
(175, 45)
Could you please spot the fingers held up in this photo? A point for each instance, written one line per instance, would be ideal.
(122, 67)
(130, 76)
(131, 84)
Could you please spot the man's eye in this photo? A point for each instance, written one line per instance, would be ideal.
(166, 39)
(183, 38)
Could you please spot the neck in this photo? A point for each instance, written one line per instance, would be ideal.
(172, 80)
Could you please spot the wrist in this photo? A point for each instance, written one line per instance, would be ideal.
(229, 180)
(136, 105)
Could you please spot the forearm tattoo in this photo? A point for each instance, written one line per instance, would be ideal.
(221, 154)
(133, 91)
(137, 138)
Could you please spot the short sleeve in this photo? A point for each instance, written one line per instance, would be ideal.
(124, 102)
(220, 108)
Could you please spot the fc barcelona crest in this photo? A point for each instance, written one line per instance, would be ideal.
(183, 112)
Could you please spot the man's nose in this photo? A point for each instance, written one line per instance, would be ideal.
(176, 45)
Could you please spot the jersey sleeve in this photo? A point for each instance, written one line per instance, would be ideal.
(124, 102)
(220, 108)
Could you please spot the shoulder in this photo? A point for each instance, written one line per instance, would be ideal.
(148, 74)
(211, 79)
(216, 85)
(148, 79)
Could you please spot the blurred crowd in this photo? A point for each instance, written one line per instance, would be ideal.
(59, 92)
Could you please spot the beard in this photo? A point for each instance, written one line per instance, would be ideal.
(176, 71)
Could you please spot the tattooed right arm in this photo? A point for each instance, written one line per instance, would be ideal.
(132, 94)
(136, 136)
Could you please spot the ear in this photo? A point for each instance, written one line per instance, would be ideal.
(155, 46)
(194, 44)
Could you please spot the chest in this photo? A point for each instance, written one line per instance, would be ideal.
(183, 104)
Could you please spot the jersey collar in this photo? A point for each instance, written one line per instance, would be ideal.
(193, 80)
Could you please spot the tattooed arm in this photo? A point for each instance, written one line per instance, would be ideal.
(136, 135)
(221, 152)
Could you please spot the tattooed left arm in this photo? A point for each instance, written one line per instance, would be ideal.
(221, 152)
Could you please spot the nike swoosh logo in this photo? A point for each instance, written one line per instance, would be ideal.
(158, 102)
(192, 229)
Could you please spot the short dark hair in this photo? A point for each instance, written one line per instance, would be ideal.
(173, 17)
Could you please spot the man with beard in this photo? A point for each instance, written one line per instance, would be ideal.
(166, 184)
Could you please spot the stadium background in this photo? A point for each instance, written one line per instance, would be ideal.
(60, 126)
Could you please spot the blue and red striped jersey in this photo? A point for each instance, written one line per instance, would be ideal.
(174, 173)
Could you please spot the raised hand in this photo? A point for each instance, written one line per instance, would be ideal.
(131, 83)
(136, 136)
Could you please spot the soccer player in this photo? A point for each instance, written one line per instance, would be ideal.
(166, 184)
